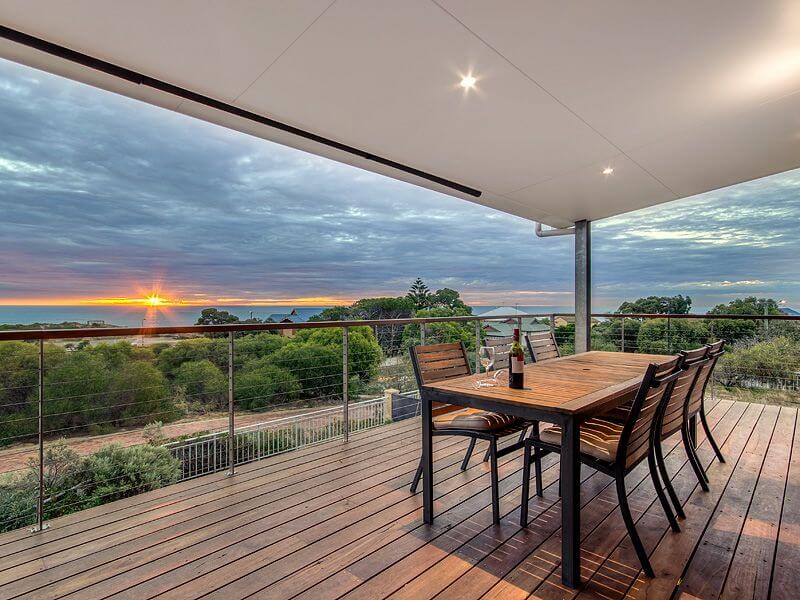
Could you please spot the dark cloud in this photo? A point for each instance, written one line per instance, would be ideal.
(100, 194)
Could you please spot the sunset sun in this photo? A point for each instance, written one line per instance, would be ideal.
(154, 300)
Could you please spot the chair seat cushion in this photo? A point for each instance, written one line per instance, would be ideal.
(599, 438)
(475, 420)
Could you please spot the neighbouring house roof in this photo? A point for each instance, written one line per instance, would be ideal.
(790, 311)
(502, 311)
(290, 317)
(506, 328)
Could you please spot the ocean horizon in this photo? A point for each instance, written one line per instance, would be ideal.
(133, 316)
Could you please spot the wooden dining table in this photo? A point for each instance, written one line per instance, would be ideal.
(563, 391)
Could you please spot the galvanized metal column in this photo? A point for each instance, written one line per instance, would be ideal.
(422, 334)
(553, 327)
(583, 287)
(477, 345)
(231, 424)
(40, 526)
(345, 382)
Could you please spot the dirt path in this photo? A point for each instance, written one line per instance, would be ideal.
(18, 457)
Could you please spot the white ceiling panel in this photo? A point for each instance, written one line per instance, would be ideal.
(587, 193)
(211, 47)
(729, 150)
(678, 97)
(394, 88)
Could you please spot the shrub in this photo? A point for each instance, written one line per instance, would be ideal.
(318, 368)
(364, 351)
(170, 359)
(258, 345)
(657, 337)
(774, 363)
(203, 383)
(138, 393)
(261, 384)
(73, 483)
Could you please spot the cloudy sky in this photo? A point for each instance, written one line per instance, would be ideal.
(103, 197)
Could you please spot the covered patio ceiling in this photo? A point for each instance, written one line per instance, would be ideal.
(677, 98)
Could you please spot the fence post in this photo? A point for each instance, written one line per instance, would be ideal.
(669, 342)
(345, 381)
(40, 526)
(553, 327)
(622, 333)
(231, 424)
(477, 345)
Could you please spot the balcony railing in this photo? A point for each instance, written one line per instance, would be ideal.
(310, 397)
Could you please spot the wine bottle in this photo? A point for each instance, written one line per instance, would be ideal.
(516, 364)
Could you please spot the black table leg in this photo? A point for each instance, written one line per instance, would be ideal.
(693, 430)
(570, 504)
(427, 462)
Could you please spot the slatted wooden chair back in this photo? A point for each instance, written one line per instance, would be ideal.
(655, 388)
(716, 347)
(436, 362)
(696, 400)
(672, 418)
(542, 346)
(690, 356)
(502, 346)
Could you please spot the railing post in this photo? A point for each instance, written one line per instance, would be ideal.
(553, 326)
(231, 424)
(669, 342)
(40, 526)
(422, 334)
(345, 382)
(622, 334)
(477, 345)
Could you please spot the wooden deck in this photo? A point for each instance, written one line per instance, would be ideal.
(337, 520)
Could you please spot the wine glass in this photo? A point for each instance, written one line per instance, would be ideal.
(486, 356)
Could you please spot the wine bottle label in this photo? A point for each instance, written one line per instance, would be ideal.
(516, 365)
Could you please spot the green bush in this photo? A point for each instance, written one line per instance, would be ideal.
(261, 384)
(317, 368)
(216, 350)
(203, 383)
(258, 345)
(773, 363)
(74, 483)
(364, 352)
(138, 393)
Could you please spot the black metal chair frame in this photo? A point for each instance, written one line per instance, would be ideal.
(491, 437)
(618, 469)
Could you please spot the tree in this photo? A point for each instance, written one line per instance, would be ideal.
(447, 298)
(212, 316)
(442, 333)
(364, 352)
(419, 294)
(735, 330)
(334, 313)
(258, 345)
(203, 383)
(658, 336)
(662, 305)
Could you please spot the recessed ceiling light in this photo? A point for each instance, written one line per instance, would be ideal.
(608, 171)
(468, 82)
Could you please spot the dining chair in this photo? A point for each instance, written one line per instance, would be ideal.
(613, 448)
(669, 420)
(695, 406)
(437, 362)
(542, 346)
